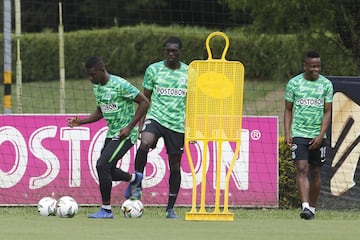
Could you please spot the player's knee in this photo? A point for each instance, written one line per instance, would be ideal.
(145, 144)
(102, 168)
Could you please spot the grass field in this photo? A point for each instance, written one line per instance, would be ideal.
(260, 97)
(270, 224)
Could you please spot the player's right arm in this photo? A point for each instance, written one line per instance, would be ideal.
(76, 121)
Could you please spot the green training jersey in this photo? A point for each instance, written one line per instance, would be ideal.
(308, 98)
(168, 97)
(116, 101)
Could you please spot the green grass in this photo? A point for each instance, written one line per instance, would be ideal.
(270, 224)
(260, 97)
(44, 97)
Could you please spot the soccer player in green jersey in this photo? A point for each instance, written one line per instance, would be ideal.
(308, 103)
(165, 85)
(115, 99)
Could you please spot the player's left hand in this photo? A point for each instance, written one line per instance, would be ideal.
(73, 122)
(124, 132)
(315, 143)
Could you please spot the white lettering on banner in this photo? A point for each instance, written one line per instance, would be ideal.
(157, 165)
(187, 179)
(14, 175)
(156, 168)
(95, 147)
(74, 136)
(240, 173)
(96, 144)
(51, 161)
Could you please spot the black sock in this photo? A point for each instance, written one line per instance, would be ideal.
(171, 201)
(174, 186)
(141, 160)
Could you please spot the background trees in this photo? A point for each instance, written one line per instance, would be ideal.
(38, 15)
(339, 17)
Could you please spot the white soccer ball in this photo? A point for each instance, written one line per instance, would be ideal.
(47, 206)
(132, 208)
(66, 207)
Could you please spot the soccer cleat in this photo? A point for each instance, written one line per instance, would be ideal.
(133, 190)
(102, 214)
(307, 214)
(171, 214)
(137, 194)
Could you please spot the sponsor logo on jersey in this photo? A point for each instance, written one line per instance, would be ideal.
(177, 92)
(310, 102)
(107, 95)
(320, 89)
(112, 107)
(183, 80)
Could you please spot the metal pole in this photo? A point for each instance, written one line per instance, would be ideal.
(61, 61)
(18, 59)
(7, 57)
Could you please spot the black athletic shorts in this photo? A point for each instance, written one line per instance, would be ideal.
(300, 151)
(174, 141)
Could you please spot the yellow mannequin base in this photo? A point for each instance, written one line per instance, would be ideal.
(209, 216)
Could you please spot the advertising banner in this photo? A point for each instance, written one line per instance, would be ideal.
(340, 173)
(42, 156)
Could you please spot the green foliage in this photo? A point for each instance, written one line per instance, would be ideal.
(128, 50)
(87, 14)
(306, 17)
(288, 196)
(288, 16)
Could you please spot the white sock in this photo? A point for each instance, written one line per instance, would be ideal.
(133, 176)
(312, 209)
(107, 207)
(305, 205)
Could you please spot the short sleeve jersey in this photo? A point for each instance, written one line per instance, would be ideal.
(116, 101)
(168, 97)
(308, 98)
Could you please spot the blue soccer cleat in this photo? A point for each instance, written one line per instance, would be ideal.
(102, 214)
(133, 190)
(171, 214)
(137, 194)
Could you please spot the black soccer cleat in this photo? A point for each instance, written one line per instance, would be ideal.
(307, 214)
